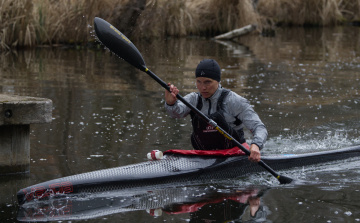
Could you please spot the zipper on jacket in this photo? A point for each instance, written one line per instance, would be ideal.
(207, 99)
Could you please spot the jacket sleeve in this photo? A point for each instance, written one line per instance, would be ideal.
(179, 109)
(241, 108)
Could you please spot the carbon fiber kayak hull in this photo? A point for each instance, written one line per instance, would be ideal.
(172, 169)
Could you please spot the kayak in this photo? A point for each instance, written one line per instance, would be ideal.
(173, 168)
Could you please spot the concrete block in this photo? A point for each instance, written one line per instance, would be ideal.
(19, 110)
(16, 115)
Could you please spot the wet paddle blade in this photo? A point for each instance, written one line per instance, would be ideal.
(118, 43)
(284, 180)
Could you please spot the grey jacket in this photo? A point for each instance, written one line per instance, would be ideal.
(234, 106)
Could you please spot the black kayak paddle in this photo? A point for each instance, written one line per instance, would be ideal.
(119, 44)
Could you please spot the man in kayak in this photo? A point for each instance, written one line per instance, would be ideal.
(229, 110)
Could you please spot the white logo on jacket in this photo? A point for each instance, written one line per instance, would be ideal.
(209, 128)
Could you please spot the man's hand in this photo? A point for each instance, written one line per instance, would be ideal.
(254, 153)
(170, 97)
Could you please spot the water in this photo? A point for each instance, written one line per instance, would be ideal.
(304, 84)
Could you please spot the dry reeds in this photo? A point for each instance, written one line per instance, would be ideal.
(47, 22)
(37, 22)
(184, 17)
(16, 25)
(310, 12)
(66, 21)
(161, 18)
(222, 16)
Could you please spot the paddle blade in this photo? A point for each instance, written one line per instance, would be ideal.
(284, 180)
(118, 43)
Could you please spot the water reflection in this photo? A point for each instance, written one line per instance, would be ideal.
(200, 203)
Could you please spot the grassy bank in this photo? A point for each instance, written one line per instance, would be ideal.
(27, 23)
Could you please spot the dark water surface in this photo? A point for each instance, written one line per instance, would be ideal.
(304, 84)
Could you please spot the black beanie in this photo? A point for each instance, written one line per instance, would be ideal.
(208, 68)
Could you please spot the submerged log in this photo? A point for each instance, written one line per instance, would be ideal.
(236, 32)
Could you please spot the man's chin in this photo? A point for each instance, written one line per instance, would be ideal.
(205, 95)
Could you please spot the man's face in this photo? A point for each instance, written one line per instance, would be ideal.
(206, 86)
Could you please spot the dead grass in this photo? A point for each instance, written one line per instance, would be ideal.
(16, 25)
(186, 17)
(161, 18)
(214, 17)
(25, 23)
(310, 12)
(67, 21)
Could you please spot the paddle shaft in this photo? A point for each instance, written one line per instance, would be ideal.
(208, 120)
